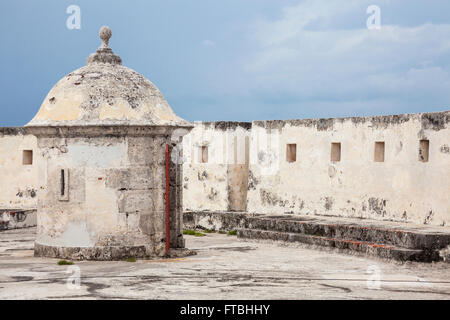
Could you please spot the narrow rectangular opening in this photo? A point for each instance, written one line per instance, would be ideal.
(379, 151)
(291, 152)
(204, 154)
(27, 157)
(336, 151)
(63, 183)
(424, 150)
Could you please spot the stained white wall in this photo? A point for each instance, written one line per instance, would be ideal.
(221, 183)
(19, 185)
(401, 188)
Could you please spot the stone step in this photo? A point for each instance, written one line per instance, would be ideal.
(364, 247)
(387, 233)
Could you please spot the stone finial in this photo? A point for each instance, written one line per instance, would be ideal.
(105, 34)
(104, 53)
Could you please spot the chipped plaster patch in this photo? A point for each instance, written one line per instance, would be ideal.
(101, 156)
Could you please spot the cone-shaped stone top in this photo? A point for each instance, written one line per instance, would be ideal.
(105, 93)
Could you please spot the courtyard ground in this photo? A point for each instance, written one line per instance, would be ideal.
(224, 268)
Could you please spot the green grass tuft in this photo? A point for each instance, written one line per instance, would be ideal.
(64, 262)
(130, 259)
(232, 233)
(193, 233)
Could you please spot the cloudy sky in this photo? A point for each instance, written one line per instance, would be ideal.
(239, 59)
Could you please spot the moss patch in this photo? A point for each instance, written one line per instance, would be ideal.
(64, 262)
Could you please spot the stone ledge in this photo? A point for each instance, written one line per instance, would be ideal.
(344, 245)
(385, 239)
(214, 220)
(107, 253)
(103, 130)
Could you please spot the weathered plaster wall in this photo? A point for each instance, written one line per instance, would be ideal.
(401, 188)
(15, 219)
(18, 182)
(220, 184)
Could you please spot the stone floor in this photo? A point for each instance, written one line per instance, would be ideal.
(224, 268)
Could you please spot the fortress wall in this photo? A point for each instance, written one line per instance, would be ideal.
(18, 181)
(215, 167)
(19, 185)
(400, 188)
(246, 168)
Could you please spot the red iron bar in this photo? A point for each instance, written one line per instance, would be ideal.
(167, 201)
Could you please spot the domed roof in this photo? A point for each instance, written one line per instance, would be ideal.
(105, 93)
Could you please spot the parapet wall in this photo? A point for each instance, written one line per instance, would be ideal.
(18, 169)
(384, 168)
(241, 166)
(19, 185)
(215, 167)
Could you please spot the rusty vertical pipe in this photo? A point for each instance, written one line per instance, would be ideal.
(167, 200)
